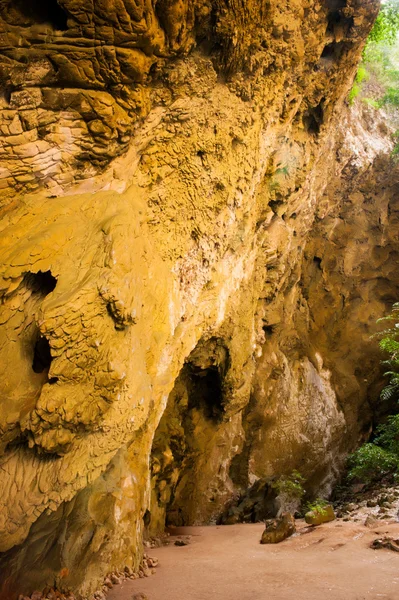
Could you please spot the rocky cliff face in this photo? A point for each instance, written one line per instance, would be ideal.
(315, 371)
(186, 303)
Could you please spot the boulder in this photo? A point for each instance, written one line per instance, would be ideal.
(371, 521)
(321, 515)
(278, 529)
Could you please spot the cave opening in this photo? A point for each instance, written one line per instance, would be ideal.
(204, 372)
(42, 282)
(334, 18)
(197, 402)
(337, 19)
(317, 261)
(313, 119)
(42, 11)
(205, 392)
(147, 518)
(268, 330)
(275, 205)
(332, 51)
(42, 356)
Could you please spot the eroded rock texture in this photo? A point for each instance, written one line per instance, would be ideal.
(170, 247)
(315, 373)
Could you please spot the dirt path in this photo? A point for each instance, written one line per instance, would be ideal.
(332, 562)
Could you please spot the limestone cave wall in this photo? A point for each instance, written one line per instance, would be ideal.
(191, 230)
(315, 372)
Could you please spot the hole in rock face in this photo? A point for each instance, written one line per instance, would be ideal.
(196, 405)
(7, 91)
(313, 119)
(256, 504)
(268, 329)
(205, 371)
(205, 392)
(338, 21)
(42, 282)
(147, 518)
(317, 261)
(42, 356)
(334, 19)
(330, 51)
(275, 205)
(31, 12)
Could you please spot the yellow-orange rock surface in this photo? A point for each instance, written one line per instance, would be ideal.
(195, 244)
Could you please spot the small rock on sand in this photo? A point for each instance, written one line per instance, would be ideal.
(386, 542)
(278, 529)
(181, 543)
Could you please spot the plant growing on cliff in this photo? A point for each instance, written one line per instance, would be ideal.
(290, 486)
(290, 491)
(376, 459)
(361, 76)
(388, 436)
(389, 343)
(395, 151)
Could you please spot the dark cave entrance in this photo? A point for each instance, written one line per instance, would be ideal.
(196, 404)
(317, 262)
(30, 12)
(205, 392)
(332, 51)
(41, 355)
(204, 373)
(336, 17)
(42, 282)
(313, 119)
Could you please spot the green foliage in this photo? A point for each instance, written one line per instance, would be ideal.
(380, 60)
(391, 96)
(362, 75)
(370, 463)
(389, 343)
(290, 486)
(317, 506)
(371, 102)
(353, 94)
(282, 171)
(388, 435)
(390, 392)
(386, 26)
(395, 151)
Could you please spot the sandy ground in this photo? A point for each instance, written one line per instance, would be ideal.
(331, 562)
